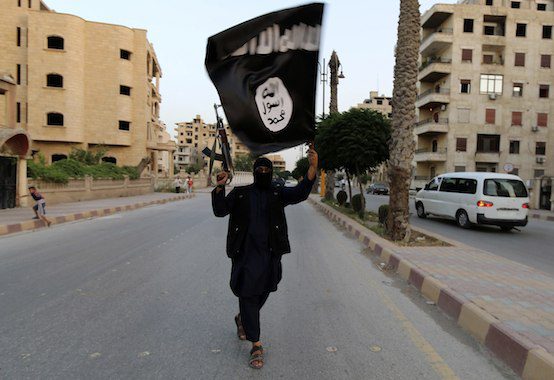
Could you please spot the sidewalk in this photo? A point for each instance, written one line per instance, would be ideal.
(541, 215)
(20, 219)
(506, 306)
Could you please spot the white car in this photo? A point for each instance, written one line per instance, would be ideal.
(476, 198)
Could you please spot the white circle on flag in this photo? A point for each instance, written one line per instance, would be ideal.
(274, 104)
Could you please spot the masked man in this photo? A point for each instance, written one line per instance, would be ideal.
(257, 238)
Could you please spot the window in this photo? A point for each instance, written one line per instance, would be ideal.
(488, 30)
(467, 55)
(516, 4)
(514, 147)
(18, 36)
(54, 118)
(518, 90)
(540, 148)
(544, 91)
(58, 157)
(125, 90)
(542, 119)
(521, 30)
(545, 61)
(463, 115)
(465, 86)
(54, 80)
(379, 102)
(18, 73)
(491, 84)
(434, 184)
(30, 3)
(538, 173)
(488, 143)
(541, 7)
(18, 112)
(19, 3)
(125, 54)
(509, 188)
(459, 185)
(189, 141)
(124, 125)
(488, 59)
(547, 32)
(468, 25)
(459, 169)
(519, 60)
(490, 116)
(449, 185)
(461, 144)
(111, 160)
(55, 42)
(489, 2)
(517, 117)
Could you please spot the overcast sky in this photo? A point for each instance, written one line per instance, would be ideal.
(363, 32)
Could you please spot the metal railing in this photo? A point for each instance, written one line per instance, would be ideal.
(430, 150)
(439, 91)
(432, 60)
(442, 120)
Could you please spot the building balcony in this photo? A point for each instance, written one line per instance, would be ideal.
(429, 155)
(492, 157)
(437, 41)
(427, 126)
(437, 15)
(434, 69)
(433, 98)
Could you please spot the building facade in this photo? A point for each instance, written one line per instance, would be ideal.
(83, 84)
(279, 164)
(382, 104)
(486, 89)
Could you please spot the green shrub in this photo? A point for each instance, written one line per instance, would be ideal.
(72, 168)
(53, 174)
(383, 214)
(131, 171)
(342, 197)
(357, 203)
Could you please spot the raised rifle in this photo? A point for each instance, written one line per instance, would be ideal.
(222, 141)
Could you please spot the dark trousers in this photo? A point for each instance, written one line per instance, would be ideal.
(177, 189)
(250, 315)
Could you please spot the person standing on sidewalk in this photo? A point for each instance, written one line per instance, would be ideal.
(257, 238)
(190, 182)
(40, 206)
(177, 184)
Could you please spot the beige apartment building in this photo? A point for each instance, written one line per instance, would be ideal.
(382, 104)
(83, 84)
(486, 89)
(279, 164)
(193, 136)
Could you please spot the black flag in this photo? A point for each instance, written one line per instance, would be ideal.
(265, 71)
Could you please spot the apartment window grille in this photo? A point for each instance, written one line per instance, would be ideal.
(465, 86)
(461, 144)
(517, 91)
(468, 25)
(125, 90)
(544, 91)
(514, 147)
(125, 54)
(547, 32)
(540, 148)
(54, 80)
(491, 84)
(54, 118)
(545, 61)
(519, 60)
(521, 30)
(467, 55)
(542, 119)
(56, 42)
(124, 125)
(517, 118)
(490, 116)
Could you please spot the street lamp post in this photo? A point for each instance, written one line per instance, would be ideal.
(323, 73)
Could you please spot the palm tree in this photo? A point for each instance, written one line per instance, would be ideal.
(401, 144)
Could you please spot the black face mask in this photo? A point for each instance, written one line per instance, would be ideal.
(262, 180)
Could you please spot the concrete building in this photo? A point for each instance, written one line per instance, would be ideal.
(193, 136)
(485, 89)
(378, 103)
(83, 84)
(279, 164)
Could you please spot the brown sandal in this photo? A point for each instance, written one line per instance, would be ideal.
(256, 355)
(240, 329)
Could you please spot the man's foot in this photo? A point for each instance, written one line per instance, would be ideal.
(35, 217)
(48, 223)
(256, 357)
(240, 329)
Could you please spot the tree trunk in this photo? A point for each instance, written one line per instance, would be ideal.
(401, 145)
(363, 198)
(349, 186)
(329, 185)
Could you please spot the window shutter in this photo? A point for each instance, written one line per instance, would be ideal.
(545, 60)
(520, 59)
(517, 118)
(542, 119)
(461, 144)
(467, 55)
(490, 116)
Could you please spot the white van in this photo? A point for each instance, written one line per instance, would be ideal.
(476, 198)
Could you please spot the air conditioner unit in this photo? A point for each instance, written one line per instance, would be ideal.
(534, 128)
(492, 96)
(541, 160)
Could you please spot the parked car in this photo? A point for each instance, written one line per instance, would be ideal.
(476, 198)
(378, 188)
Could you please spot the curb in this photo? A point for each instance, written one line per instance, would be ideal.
(527, 359)
(547, 218)
(30, 225)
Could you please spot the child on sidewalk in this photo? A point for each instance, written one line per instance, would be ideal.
(40, 206)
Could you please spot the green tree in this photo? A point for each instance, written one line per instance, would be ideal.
(354, 141)
(88, 157)
(193, 168)
(403, 116)
(244, 163)
(302, 166)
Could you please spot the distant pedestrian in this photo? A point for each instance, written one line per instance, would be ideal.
(190, 183)
(40, 206)
(177, 184)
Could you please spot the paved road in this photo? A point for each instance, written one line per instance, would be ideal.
(145, 294)
(532, 245)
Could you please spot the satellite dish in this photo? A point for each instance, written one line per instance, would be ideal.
(508, 168)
